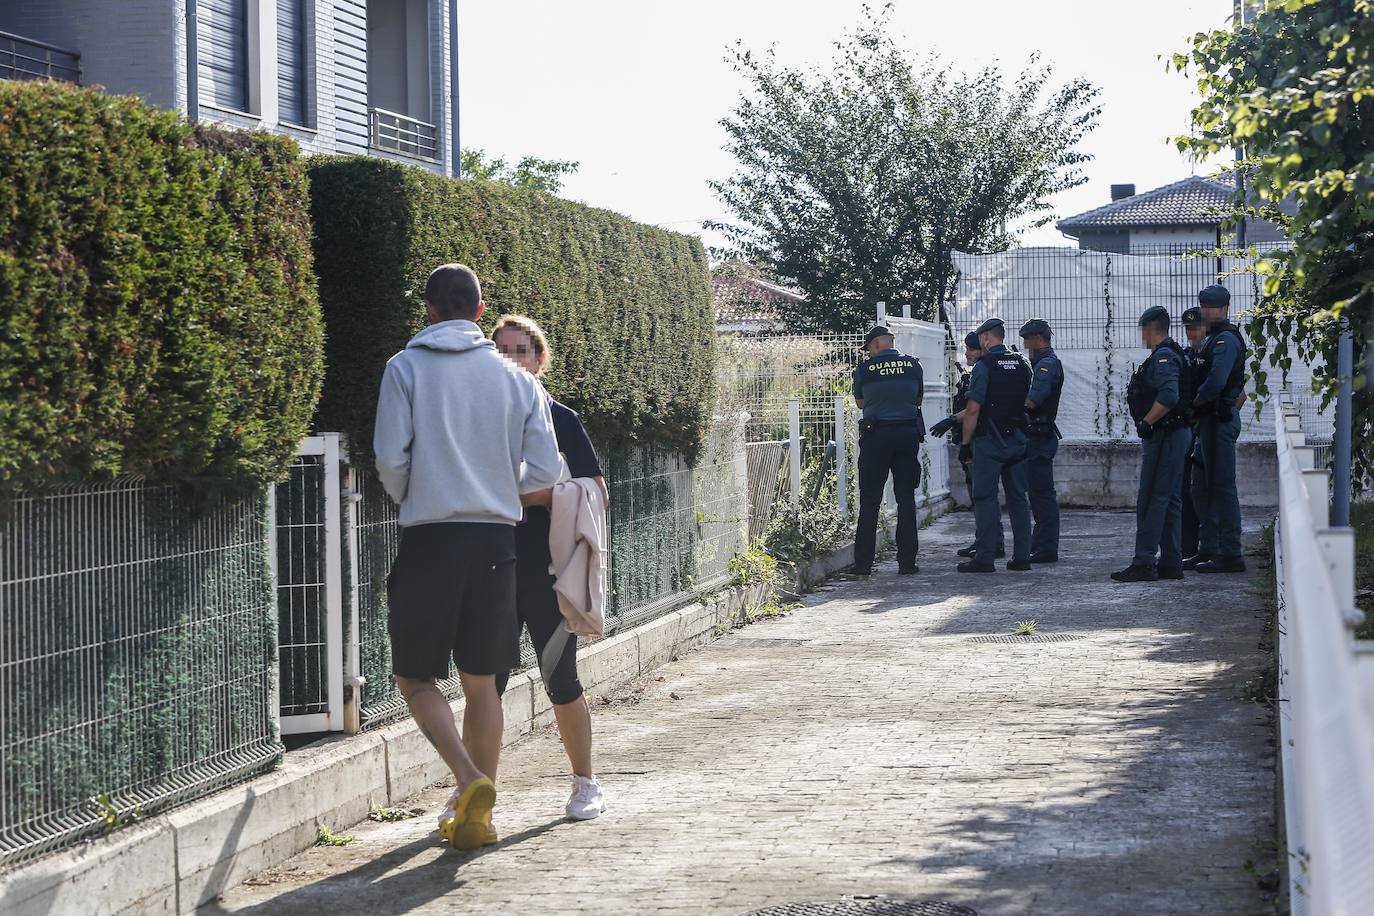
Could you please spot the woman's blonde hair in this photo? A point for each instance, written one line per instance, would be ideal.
(535, 333)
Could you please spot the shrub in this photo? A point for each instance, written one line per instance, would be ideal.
(157, 295)
(627, 307)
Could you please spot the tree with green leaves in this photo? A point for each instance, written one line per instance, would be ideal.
(530, 172)
(856, 181)
(1293, 88)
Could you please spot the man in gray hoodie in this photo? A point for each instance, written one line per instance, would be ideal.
(461, 434)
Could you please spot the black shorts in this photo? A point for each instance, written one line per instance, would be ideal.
(451, 592)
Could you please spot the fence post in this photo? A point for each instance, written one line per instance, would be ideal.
(882, 312)
(906, 309)
(842, 458)
(794, 447)
(1340, 501)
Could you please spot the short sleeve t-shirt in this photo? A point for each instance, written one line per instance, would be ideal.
(532, 534)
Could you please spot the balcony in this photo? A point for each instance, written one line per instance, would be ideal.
(26, 59)
(398, 133)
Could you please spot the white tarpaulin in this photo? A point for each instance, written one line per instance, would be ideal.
(1092, 300)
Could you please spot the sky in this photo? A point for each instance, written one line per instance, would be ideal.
(634, 89)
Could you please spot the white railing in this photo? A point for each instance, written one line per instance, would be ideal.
(398, 133)
(1326, 691)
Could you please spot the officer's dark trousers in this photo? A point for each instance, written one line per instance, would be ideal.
(1190, 519)
(995, 460)
(968, 480)
(887, 450)
(1214, 487)
(1044, 501)
(1159, 502)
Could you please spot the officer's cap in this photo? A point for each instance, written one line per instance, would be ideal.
(1154, 313)
(972, 342)
(1192, 316)
(1215, 295)
(992, 324)
(878, 330)
(1036, 326)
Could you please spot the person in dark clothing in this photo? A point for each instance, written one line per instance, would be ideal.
(1196, 331)
(1221, 385)
(973, 351)
(1161, 419)
(888, 387)
(522, 341)
(994, 437)
(1042, 443)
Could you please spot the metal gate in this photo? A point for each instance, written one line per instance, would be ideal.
(317, 669)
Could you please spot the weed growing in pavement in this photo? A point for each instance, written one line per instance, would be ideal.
(386, 815)
(754, 566)
(109, 816)
(326, 837)
(1026, 627)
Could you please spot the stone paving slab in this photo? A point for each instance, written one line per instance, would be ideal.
(866, 744)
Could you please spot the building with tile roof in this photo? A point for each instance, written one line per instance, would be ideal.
(1182, 215)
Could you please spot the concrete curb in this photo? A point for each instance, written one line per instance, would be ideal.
(187, 857)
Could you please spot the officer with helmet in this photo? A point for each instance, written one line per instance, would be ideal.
(1042, 408)
(1221, 387)
(1160, 411)
(994, 436)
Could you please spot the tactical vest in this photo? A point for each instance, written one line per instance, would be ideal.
(1235, 382)
(1008, 384)
(1041, 419)
(1141, 396)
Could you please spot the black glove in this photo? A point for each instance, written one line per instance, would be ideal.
(1144, 430)
(944, 426)
(965, 453)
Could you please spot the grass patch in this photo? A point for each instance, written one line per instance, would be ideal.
(1026, 627)
(1362, 520)
(327, 837)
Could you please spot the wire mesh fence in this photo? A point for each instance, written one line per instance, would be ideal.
(136, 657)
(1092, 300)
(302, 588)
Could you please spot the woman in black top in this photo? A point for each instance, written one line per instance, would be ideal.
(522, 342)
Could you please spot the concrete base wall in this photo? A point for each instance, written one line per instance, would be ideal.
(1106, 475)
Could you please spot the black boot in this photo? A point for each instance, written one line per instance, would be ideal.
(1230, 565)
(972, 550)
(1019, 565)
(1134, 573)
(1170, 572)
(976, 566)
(1045, 556)
(1193, 561)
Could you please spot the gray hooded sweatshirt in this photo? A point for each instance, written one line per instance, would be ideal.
(462, 432)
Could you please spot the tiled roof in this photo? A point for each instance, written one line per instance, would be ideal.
(1194, 201)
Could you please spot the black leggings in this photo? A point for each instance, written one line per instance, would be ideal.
(555, 648)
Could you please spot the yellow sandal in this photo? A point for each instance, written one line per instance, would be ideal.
(469, 827)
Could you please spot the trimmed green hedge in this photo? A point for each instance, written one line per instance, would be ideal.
(156, 293)
(627, 307)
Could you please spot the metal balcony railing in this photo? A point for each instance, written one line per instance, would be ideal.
(25, 59)
(398, 133)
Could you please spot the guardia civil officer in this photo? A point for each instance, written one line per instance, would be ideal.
(973, 351)
(1042, 408)
(994, 436)
(1161, 419)
(888, 387)
(1221, 384)
(1196, 332)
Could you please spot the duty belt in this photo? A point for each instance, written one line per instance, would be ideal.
(875, 424)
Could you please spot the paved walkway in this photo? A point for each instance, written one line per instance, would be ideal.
(872, 743)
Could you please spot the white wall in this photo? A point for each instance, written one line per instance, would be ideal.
(1202, 236)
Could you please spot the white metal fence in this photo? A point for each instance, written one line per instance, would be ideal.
(1326, 691)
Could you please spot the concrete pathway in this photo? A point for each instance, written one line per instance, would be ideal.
(887, 739)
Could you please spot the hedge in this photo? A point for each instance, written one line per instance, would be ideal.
(626, 306)
(157, 295)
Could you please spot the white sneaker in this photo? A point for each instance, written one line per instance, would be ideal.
(587, 801)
